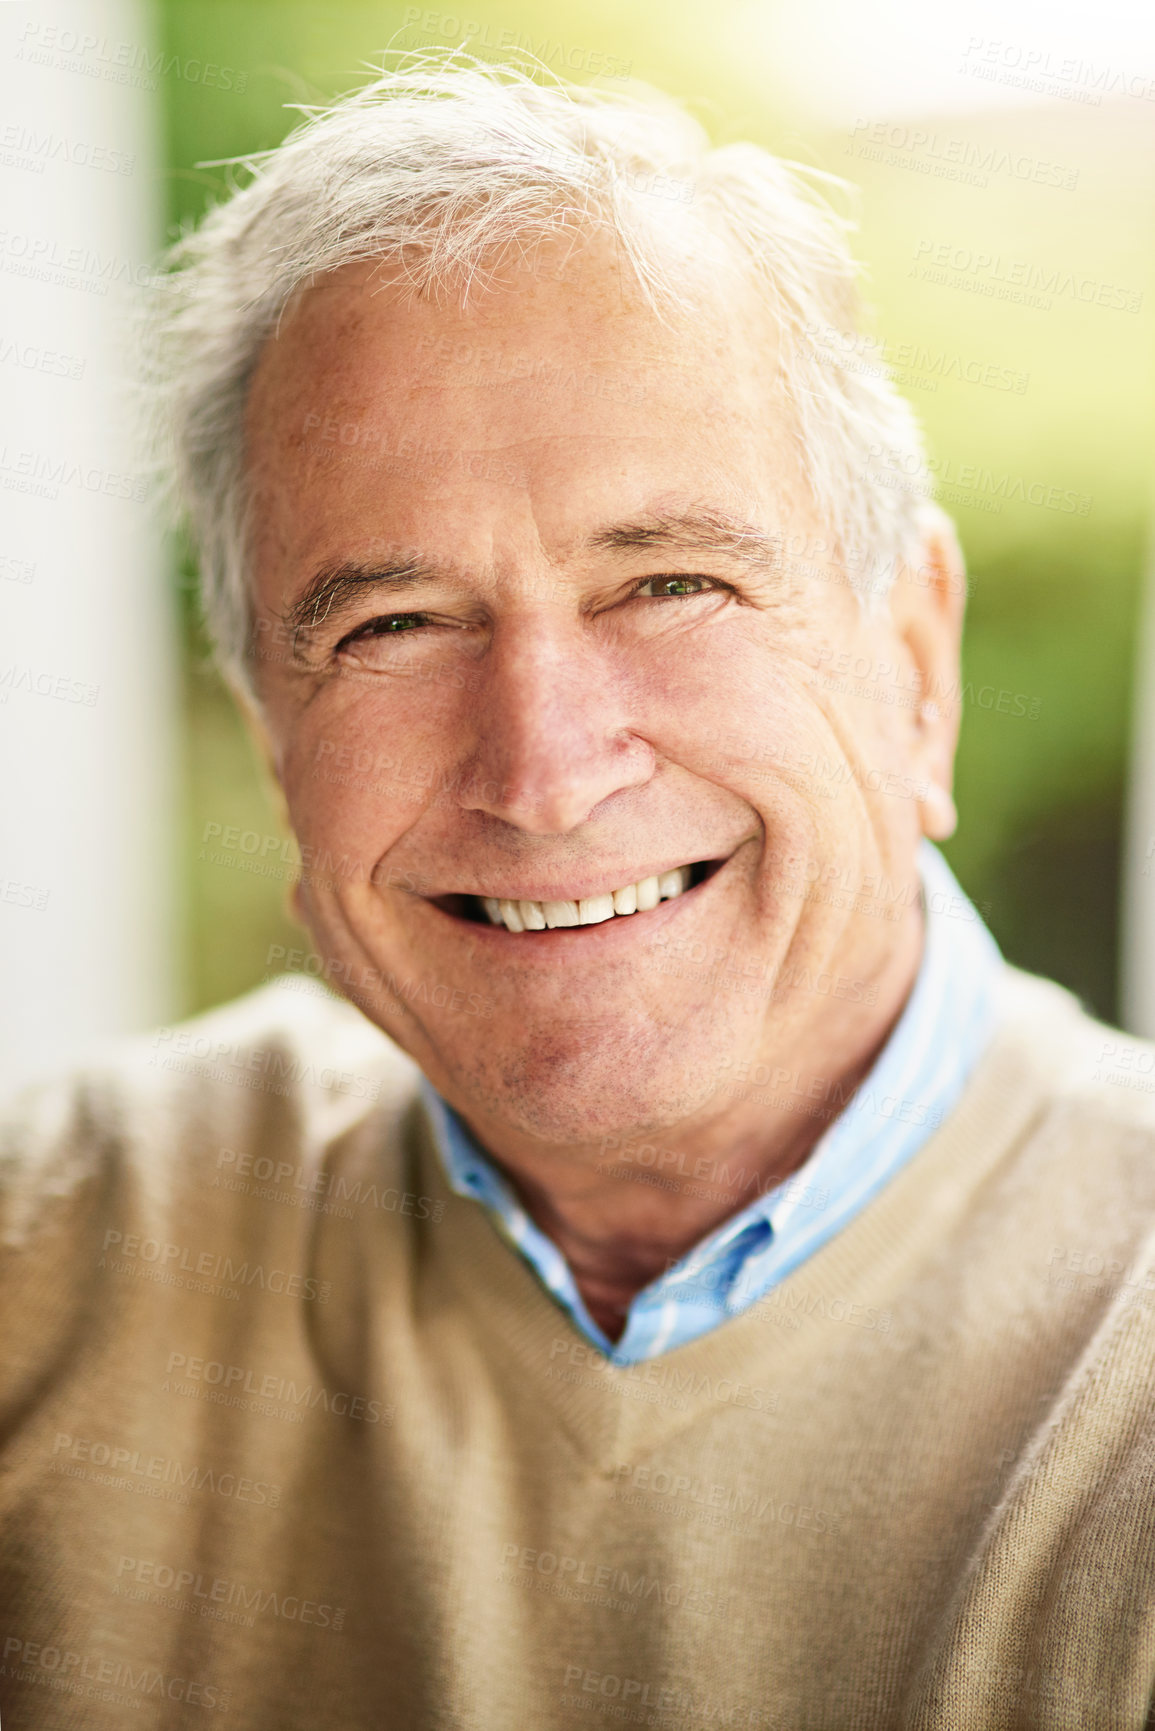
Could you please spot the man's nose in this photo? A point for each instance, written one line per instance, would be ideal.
(551, 731)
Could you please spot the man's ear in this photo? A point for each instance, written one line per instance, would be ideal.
(927, 604)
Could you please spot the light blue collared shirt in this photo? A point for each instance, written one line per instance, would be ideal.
(914, 1083)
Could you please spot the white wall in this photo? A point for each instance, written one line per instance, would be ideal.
(87, 683)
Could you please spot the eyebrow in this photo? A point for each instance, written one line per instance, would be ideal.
(334, 587)
(705, 532)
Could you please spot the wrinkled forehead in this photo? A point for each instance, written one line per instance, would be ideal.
(558, 368)
(570, 315)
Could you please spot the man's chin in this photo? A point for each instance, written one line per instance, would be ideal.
(585, 1092)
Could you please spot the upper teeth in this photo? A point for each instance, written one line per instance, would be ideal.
(591, 910)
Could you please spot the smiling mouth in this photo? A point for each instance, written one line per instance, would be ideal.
(539, 916)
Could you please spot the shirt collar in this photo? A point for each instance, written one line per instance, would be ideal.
(910, 1088)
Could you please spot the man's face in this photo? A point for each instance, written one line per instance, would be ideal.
(564, 622)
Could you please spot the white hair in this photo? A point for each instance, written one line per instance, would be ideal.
(441, 165)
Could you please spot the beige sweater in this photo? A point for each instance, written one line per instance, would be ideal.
(293, 1438)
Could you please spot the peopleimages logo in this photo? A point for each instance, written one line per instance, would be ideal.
(148, 1578)
(95, 1675)
(239, 1379)
(43, 257)
(972, 483)
(953, 158)
(476, 35)
(991, 273)
(24, 147)
(1031, 67)
(130, 63)
(609, 1578)
(128, 1249)
(125, 1468)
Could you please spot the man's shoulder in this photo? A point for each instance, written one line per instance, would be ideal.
(293, 1036)
(1078, 1099)
(288, 1059)
(1084, 1065)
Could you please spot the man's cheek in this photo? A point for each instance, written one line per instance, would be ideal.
(351, 793)
(360, 935)
(871, 698)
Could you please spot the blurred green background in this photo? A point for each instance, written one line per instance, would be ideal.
(1054, 596)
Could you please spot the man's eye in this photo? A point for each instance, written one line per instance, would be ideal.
(672, 586)
(387, 626)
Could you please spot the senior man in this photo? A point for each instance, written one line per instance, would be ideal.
(698, 1283)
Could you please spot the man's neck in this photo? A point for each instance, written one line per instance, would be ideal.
(616, 1243)
(619, 1225)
